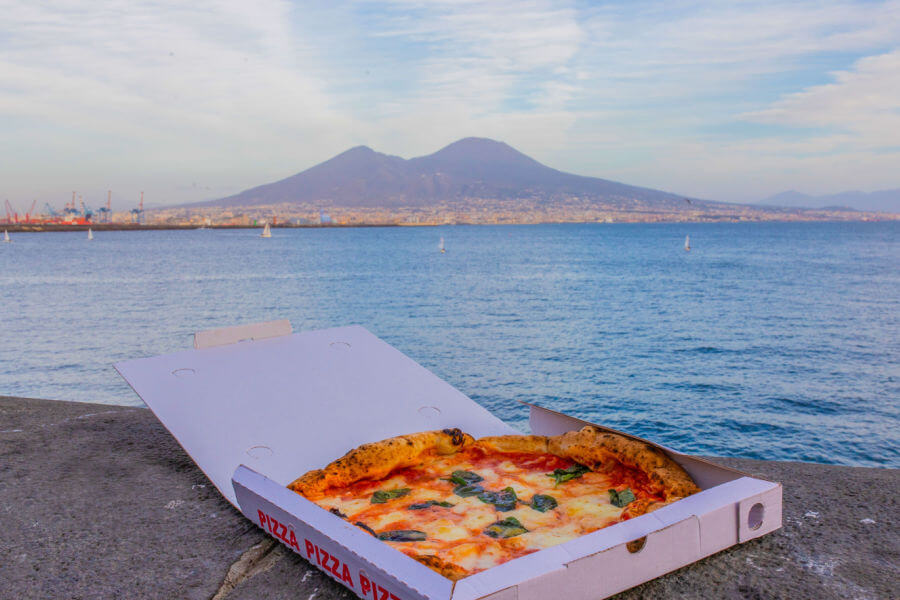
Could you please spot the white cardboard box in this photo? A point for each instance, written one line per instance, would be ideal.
(257, 406)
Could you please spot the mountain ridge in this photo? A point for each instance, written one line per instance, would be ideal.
(468, 168)
(482, 170)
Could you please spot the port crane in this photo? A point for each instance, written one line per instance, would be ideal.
(52, 215)
(29, 216)
(86, 212)
(13, 217)
(104, 213)
(71, 213)
(137, 214)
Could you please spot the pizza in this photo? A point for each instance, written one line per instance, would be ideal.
(460, 505)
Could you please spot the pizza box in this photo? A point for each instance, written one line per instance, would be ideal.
(257, 406)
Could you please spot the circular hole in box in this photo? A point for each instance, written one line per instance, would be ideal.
(259, 452)
(429, 412)
(755, 516)
(183, 372)
(635, 546)
(340, 345)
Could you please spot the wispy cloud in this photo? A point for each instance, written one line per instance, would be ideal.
(199, 99)
(861, 108)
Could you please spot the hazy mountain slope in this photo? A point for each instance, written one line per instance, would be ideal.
(468, 168)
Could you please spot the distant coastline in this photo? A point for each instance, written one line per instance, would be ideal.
(473, 181)
(48, 228)
(63, 227)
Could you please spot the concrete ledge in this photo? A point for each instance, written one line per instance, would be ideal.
(99, 501)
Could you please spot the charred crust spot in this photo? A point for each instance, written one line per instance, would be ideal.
(338, 513)
(456, 436)
(445, 568)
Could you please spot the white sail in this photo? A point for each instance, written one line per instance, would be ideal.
(267, 233)
(90, 234)
(442, 246)
(6, 236)
(687, 243)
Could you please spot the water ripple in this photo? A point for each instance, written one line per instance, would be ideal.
(776, 341)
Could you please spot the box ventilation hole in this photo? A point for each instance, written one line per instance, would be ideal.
(755, 516)
(259, 452)
(429, 412)
(340, 345)
(635, 546)
(183, 372)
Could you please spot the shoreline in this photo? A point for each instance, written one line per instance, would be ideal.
(101, 501)
(53, 228)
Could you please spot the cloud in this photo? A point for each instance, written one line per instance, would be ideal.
(159, 94)
(155, 85)
(862, 107)
(243, 93)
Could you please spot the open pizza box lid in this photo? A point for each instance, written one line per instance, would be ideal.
(257, 406)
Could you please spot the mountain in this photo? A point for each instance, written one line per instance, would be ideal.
(882, 201)
(471, 168)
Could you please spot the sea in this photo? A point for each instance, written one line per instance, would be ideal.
(766, 340)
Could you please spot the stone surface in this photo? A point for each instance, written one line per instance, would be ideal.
(99, 501)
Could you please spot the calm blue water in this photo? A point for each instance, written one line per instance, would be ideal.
(777, 341)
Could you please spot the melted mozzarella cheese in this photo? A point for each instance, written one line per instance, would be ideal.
(538, 539)
(447, 531)
(457, 534)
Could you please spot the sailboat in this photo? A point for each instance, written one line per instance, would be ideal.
(442, 246)
(90, 234)
(6, 236)
(266, 233)
(687, 243)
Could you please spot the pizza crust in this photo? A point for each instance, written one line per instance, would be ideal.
(445, 568)
(536, 444)
(378, 459)
(599, 450)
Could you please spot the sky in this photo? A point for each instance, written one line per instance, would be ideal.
(187, 101)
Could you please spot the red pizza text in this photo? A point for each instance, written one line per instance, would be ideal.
(279, 530)
(377, 592)
(329, 563)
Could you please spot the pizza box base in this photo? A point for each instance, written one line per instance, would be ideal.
(257, 406)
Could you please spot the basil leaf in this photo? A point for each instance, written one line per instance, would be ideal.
(621, 499)
(402, 535)
(502, 501)
(563, 475)
(507, 528)
(429, 503)
(464, 477)
(382, 496)
(465, 491)
(543, 502)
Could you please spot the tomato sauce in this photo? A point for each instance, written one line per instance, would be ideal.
(532, 462)
(432, 475)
